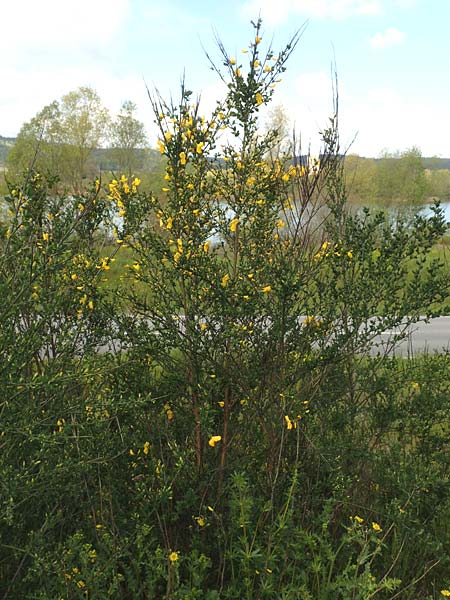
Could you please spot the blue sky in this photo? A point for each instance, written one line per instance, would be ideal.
(392, 57)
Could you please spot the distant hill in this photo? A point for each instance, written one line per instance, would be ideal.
(153, 158)
(5, 144)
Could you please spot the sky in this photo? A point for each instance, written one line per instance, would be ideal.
(392, 59)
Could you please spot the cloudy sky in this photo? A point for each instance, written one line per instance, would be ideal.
(392, 58)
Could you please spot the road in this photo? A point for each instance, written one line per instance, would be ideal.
(422, 337)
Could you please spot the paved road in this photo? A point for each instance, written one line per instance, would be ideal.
(422, 337)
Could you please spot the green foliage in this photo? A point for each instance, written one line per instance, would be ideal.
(401, 178)
(128, 140)
(240, 441)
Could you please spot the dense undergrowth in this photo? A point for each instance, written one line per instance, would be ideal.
(219, 446)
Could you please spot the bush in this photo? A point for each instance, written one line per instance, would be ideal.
(240, 442)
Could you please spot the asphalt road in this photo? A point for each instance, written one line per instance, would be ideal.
(422, 337)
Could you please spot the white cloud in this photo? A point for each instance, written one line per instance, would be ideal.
(390, 37)
(50, 24)
(278, 11)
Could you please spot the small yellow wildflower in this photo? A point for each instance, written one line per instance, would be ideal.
(90, 305)
(445, 593)
(45, 237)
(376, 527)
(258, 40)
(206, 246)
(221, 403)
(214, 439)
(258, 98)
(415, 386)
(169, 223)
(225, 280)
(267, 289)
(136, 182)
(161, 147)
(233, 225)
(81, 584)
(200, 521)
(168, 136)
(256, 64)
(146, 447)
(199, 148)
(267, 69)
(174, 556)
(232, 61)
(74, 277)
(358, 519)
(183, 158)
(290, 424)
(280, 223)
(203, 326)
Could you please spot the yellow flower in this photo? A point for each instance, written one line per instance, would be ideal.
(45, 237)
(168, 136)
(174, 556)
(136, 182)
(81, 584)
(183, 158)
(146, 447)
(280, 223)
(258, 40)
(358, 519)
(90, 305)
(169, 223)
(415, 386)
(206, 246)
(221, 403)
(200, 521)
(258, 98)
(256, 64)
(445, 593)
(267, 289)
(233, 225)
(225, 280)
(285, 177)
(199, 148)
(350, 254)
(267, 69)
(214, 439)
(203, 326)
(74, 277)
(161, 147)
(232, 61)
(376, 527)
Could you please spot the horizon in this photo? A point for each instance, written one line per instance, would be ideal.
(389, 57)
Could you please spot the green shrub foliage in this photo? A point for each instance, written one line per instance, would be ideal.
(223, 424)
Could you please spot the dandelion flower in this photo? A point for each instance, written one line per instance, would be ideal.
(174, 556)
(376, 527)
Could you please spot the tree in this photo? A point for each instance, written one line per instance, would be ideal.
(61, 138)
(401, 178)
(38, 144)
(84, 127)
(128, 139)
(277, 126)
(360, 176)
